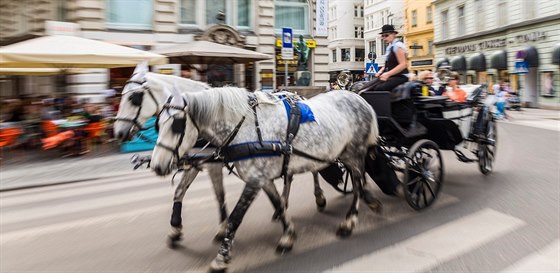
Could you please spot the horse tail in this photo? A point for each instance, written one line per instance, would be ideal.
(374, 132)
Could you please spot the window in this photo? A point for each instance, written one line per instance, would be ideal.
(429, 14)
(529, 8)
(127, 14)
(373, 46)
(358, 32)
(243, 13)
(213, 7)
(502, 13)
(414, 18)
(480, 14)
(444, 24)
(345, 54)
(358, 11)
(188, 12)
(461, 20)
(237, 12)
(383, 49)
(292, 13)
(359, 55)
(430, 47)
(334, 56)
(60, 7)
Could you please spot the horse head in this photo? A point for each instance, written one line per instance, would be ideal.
(177, 133)
(138, 104)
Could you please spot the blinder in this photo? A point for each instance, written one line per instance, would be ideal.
(136, 98)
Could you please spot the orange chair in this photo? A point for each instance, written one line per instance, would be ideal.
(54, 141)
(8, 136)
(49, 128)
(95, 131)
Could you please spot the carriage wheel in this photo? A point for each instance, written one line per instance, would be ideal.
(487, 147)
(423, 174)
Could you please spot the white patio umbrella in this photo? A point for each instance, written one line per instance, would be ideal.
(73, 52)
(204, 52)
(40, 71)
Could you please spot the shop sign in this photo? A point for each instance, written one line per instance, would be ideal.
(496, 43)
(421, 62)
(321, 22)
(310, 43)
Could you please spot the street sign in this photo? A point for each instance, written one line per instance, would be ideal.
(287, 44)
(521, 67)
(415, 47)
(372, 56)
(372, 68)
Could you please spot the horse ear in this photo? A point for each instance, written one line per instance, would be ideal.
(141, 68)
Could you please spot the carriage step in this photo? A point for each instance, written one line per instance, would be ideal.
(462, 157)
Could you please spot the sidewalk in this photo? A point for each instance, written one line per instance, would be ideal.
(42, 171)
(49, 171)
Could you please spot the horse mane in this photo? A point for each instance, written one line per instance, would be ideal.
(209, 105)
(179, 81)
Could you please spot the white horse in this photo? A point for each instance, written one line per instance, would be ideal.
(143, 97)
(345, 128)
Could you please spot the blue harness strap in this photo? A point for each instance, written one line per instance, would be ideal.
(306, 113)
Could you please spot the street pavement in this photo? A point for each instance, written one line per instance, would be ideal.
(72, 170)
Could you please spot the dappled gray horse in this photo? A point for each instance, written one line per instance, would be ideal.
(345, 128)
(143, 96)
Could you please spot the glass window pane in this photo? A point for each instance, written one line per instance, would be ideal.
(243, 7)
(293, 17)
(134, 13)
(188, 11)
(213, 7)
(359, 55)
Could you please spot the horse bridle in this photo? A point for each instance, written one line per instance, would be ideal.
(177, 127)
(136, 98)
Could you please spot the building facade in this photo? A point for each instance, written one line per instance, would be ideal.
(419, 34)
(492, 40)
(376, 14)
(346, 38)
(151, 24)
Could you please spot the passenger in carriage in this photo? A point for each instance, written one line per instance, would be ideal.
(395, 71)
(453, 91)
(427, 79)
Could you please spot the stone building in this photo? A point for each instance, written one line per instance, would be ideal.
(150, 24)
(376, 14)
(419, 34)
(492, 40)
(346, 38)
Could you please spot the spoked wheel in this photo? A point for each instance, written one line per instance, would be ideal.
(339, 177)
(423, 174)
(487, 147)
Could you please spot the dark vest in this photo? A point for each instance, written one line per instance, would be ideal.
(392, 62)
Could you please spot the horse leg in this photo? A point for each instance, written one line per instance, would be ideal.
(287, 240)
(176, 221)
(217, 178)
(285, 196)
(220, 263)
(346, 227)
(319, 197)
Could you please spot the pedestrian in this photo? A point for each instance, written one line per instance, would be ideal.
(395, 71)
(453, 91)
(501, 100)
(426, 77)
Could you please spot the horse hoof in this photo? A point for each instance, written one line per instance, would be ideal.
(283, 249)
(172, 242)
(219, 264)
(343, 232)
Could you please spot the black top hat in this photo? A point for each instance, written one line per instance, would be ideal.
(388, 29)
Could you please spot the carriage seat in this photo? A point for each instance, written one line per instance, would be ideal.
(387, 119)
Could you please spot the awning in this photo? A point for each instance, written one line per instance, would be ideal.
(458, 63)
(477, 62)
(556, 54)
(204, 52)
(530, 55)
(498, 60)
(442, 62)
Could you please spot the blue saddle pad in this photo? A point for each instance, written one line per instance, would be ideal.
(306, 113)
